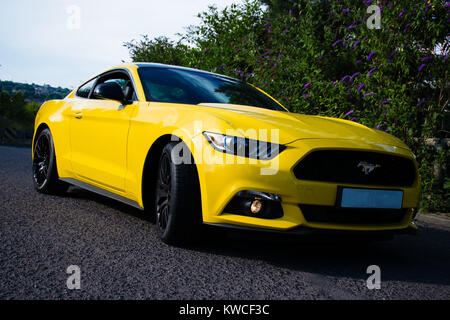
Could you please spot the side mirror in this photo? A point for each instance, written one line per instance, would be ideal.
(109, 90)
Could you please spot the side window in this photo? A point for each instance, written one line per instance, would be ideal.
(85, 89)
(123, 81)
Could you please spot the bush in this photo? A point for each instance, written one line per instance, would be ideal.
(319, 57)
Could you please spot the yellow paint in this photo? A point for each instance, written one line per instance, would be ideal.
(107, 148)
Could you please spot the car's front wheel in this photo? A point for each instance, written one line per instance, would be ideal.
(177, 201)
(45, 174)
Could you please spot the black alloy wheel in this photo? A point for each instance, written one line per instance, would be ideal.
(163, 193)
(45, 174)
(41, 160)
(177, 198)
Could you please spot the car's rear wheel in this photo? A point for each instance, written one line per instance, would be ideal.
(177, 199)
(45, 174)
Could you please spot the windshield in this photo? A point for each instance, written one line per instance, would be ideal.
(193, 87)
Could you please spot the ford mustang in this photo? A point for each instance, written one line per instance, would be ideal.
(191, 147)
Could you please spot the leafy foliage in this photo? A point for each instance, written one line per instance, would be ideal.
(16, 112)
(34, 92)
(319, 57)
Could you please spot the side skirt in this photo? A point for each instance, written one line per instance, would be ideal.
(89, 187)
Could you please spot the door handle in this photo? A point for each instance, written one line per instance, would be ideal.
(78, 115)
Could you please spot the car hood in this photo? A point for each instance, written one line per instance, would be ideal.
(294, 126)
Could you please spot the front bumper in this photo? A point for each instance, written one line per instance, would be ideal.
(221, 182)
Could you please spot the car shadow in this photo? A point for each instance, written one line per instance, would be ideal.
(424, 258)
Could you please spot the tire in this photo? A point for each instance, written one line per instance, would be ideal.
(177, 199)
(45, 173)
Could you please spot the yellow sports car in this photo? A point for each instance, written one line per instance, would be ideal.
(193, 147)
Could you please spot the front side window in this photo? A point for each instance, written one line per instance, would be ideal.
(194, 87)
(85, 89)
(123, 80)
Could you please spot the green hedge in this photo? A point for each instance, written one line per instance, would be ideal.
(319, 57)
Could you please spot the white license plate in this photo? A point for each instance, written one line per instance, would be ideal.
(370, 198)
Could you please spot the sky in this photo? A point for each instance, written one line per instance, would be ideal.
(64, 42)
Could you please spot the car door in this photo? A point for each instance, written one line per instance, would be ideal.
(99, 135)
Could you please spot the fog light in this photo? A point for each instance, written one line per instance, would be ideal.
(256, 206)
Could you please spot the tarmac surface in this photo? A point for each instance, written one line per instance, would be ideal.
(121, 257)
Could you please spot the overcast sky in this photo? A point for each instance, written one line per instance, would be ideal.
(45, 42)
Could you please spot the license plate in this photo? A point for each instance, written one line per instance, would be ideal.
(370, 198)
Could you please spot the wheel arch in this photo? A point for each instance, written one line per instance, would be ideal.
(38, 130)
(149, 171)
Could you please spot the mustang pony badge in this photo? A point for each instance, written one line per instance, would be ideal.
(367, 167)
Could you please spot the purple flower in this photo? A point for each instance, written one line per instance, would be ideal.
(385, 102)
(371, 71)
(337, 42)
(352, 26)
(307, 85)
(387, 130)
(305, 95)
(370, 55)
(251, 74)
(353, 119)
(319, 58)
(422, 66)
(285, 31)
(346, 10)
(369, 94)
(402, 13)
(349, 113)
(378, 127)
(406, 27)
(238, 71)
(356, 44)
(367, 2)
(391, 54)
(421, 102)
(354, 76)
(358, 61)
(428, 7)
(334, 83)
(361, 86)
(426, 58)
(345, 78)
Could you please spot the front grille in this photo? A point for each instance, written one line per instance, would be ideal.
(328, 214)
(342, 166)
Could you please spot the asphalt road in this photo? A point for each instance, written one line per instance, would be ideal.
(121, 257)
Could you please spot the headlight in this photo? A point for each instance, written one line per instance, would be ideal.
(243, 146)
